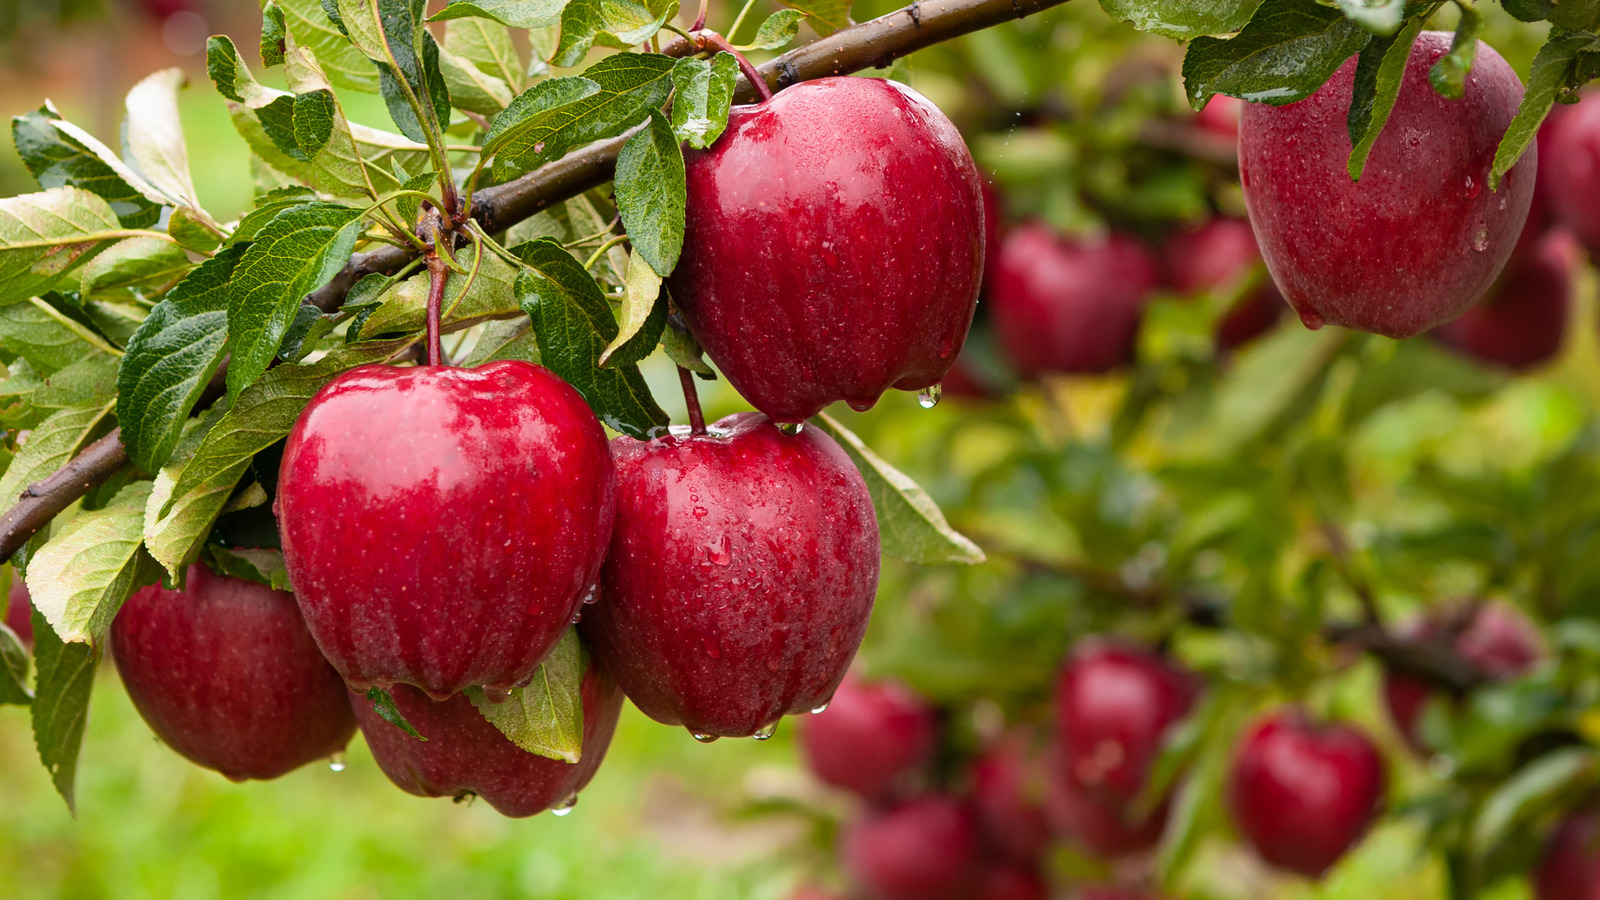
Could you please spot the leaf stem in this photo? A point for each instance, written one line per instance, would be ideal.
(602, 249)
(739, 19)
(700, 20)
(691, 399)
(751, 73)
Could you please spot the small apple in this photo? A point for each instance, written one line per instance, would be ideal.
(1421, 236)
(1214, 255)
(225, 673)
(1013, 881)
(1570, 867)
(1070, 306)
(465, 754)
(1522, 321)
(1105, 828)
(442, 526)
(1302, 793)
(1008, 788)
(870, 738)
(834, 247)
(19, 610)
(1572, 143)
(740, 577)
(925, 849)
(1499, 640)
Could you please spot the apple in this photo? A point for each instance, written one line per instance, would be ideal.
(1303, 792)
(1571, 144)
(1221, 115)
(19, 610)
(1011, 881)
(1008, 794)
(1421, 236)
(1213, 256)
(834, 246)
(926, 849)
(442, 526)
(225, 673)
(1499, 640)
(1069, 305)
(740, 577)
(870, 738)
(1570, 866)
(1523, 320)
(1113, 705)
(1105, 828)
(812, 892)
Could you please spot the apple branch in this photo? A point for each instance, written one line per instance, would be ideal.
(868, 45)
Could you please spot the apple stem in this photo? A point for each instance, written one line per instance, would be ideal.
(700, 20)
(751, 74)
(691, 399)
(438, 274)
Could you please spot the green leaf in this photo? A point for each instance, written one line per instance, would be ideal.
(703, 94)
(516, 13)
(827, 16)
(910, 523)
(534, 112)
(1288, 51)
(80, 578)
(174, 539)
(61, 705)
(171, 358)
(194, 231)
(44, 236)
(297, 253)
(1553, 71)
(574, 324)
(1183, 20)
(630, 84)
(261, 566)
(489, 295)
(473, 89)
(610, 23)
(546, 717)
(1534, 789)
(640, 300)
(504, 339)
(1382, 17)
(652, 194)
(1379, 73)
(266, 411)
(1529, 10)
(60, 155)
(267, 208)
(274, 34)
(13, 669)
(682, 349)
(94, 377)
(383, 704)
(777, 31)
(340, 152)
(154, 137)
(346, 66)
(49, 340)
(1449, 75)
(486, 44)
(51, 444)
(137, 262)
(392, 34)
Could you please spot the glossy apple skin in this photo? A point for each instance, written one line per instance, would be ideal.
(441, 526)
(1302, 793)
(834, 247)
(1420, 236)
(1113, 704)
(465, 754)
(1069, 306)
(1499, 640)
(1010, 881)
(925, 849)
(19, 610)
(1104, 828)
(871, 738)
(225, 673)
(1521, 323)
(1572, 145)
(740, 577)
(1212, 256)
(1008, 788)
(1570, 866)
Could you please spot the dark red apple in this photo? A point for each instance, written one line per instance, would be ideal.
(1420, 236)
(834, 246)
(225, 673)
(926, 849)
(1214, 256)
(1521, 323)
(1570, 867)
(19, 610)
(1008, 788)
(441, 526)
(1572, 148)
(1072, 306)
(740, 577)
(1220, 115)
(870, 738)
(1114, 703)
(465, 754)
(1302, 793)
(1013, 881)
(1099, 826)
(1499, 640)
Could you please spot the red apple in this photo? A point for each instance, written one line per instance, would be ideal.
(1114, 703)
(1302, 793)
(1102, 827)
(1570, 867)
(465, 754)
(834, 246)
(1420, 236)
(1214, 256)
(1071, 306)
(19, 609)
(1523, 320)
(811, 892)
(441, 526)
(926, 849)
(1008, 792)
(1221, 115)
(870, 738)
(1499, 640)
(1571, 146)
(225, 673)
(740, 577)
(1011, 881)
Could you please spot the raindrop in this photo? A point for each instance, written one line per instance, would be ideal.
(1474, 188)
(577, 617)
(593, 594)
(717, 551)
(565, 807)
(336, 762)
(929, 396)
(791, 427)
(766, 731)
(496, 694)
(815, 710)
(1480, 240)
(703, 738)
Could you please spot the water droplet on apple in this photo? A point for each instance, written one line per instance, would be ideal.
(593, 594)
(1474, 188)
(703, 738)
(336, 762)
(700, 512)
(791, 427)
(766, 731)
(1480, 239)
(577, 617)
(709, 644)
(718, 552)
(564, 807)
(860, 405)
(496, 694)
(815, 710)
(929, 396)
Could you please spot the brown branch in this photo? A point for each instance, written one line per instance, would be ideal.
(43, 500)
